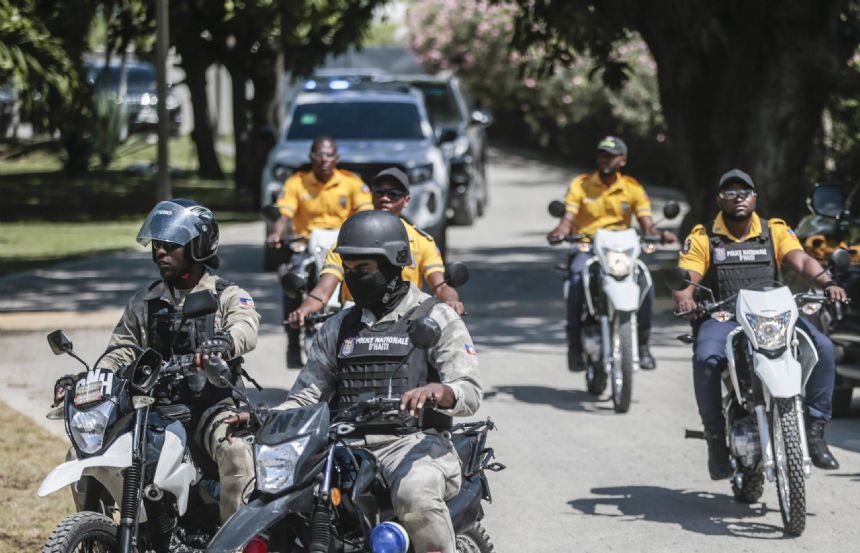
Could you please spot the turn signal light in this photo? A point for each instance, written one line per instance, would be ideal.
(257, 545)
(335, 496)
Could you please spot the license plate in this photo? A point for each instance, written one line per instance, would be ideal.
(89, 393)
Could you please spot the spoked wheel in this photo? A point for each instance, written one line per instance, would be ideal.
(748, 485)
(595, 378)
(790, 481)
(622, 366)
(474, 540)
(84, 532)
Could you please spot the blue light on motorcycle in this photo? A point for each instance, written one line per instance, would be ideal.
(389, 537)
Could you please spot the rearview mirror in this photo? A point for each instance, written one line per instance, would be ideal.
(218, 372)
(271, 212)
(424, 332)
(145, 370)
(59, 342)
(827, 200)
(671, 210)
(198, 304)
(556, 209)
(456, 274)
(292, 283)
(840, 261)
(677, 278)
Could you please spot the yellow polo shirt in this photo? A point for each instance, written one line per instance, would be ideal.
(314, 205)
(695, 253)
(426, 260)
(596, 205)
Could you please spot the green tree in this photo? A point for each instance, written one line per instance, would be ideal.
(742, 82)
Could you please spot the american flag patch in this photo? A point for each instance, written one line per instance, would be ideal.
(470, 349)
(247, 302)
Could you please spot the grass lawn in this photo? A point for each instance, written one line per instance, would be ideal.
(27, 454)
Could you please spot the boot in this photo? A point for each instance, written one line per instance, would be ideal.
(719, 465)
(818, 450)
(294, 351)
(574, 350)
(646, 360)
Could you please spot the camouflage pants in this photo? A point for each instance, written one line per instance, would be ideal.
(235, 461)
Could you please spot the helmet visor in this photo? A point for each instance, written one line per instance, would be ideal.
(169, 222)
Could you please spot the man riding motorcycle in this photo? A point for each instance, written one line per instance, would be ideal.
(318, 199)
(604, 199)
(360, 349)
(740, 249)
(184, 239)
(390, 191)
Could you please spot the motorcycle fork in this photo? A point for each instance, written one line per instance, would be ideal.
(606, 343)
(801, 426)
(132, 488)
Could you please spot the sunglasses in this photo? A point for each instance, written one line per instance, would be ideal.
(166, 246)
(743, 194)
(393, 193)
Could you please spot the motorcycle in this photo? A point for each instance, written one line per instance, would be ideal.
(131, 457)
(769, 363)
(319, 491)
(616, 282)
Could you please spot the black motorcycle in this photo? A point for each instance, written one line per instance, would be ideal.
(317, 492)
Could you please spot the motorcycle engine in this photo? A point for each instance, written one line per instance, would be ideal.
(744, 442)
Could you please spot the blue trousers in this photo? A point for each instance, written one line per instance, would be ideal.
(576, 296)
(709, 360)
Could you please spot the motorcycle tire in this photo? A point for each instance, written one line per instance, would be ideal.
(751, 485)
(595, 378)
(790, 480)
(86, 530)
(622, 371)
(474, 540)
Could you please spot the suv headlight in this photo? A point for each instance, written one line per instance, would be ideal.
(420, 173)
(276, 464)
(88, 427)
(771, 333)
(618, 263)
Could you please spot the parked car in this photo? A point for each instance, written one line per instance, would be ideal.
(7, 109)
(140, 98)
(376, 126)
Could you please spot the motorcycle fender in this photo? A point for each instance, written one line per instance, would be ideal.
(781, 376)
(258, 515)
(117, 455)
(730, 357)
(622, 295)
(172, 474)
(806, 354)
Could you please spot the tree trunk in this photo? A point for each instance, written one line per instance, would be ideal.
(265, 118)
(241, 128)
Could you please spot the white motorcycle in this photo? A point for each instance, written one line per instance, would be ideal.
(616, 282)
(131, 459)
(769, 363)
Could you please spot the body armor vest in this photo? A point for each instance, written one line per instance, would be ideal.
(738, 265)
(367, 358)
(162, 320)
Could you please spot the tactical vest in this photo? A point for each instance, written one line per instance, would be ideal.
(738, 265)
(368, 357)
(162, 319)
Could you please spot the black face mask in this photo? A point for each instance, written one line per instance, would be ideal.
(367, 288)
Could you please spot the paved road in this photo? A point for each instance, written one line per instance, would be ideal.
(580, 478)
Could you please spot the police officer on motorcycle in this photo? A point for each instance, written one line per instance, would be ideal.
(604, 199)
(183, 236)
(362, 346)
(740, 249)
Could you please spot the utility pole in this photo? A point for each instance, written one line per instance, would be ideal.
(162, 180)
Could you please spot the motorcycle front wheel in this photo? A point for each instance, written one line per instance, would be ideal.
(595, 378)
(474, 540)
(788, 453)
(622, 366)
(83, 532)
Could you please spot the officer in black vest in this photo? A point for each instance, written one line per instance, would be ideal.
(737, 250)
(358, 350)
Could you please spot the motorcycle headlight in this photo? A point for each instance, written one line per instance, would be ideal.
(298, 246)
(771, 333)
(618, 263)
(420, 173)
(276, 464)
(88, 427)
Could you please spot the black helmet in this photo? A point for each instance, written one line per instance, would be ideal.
(375, 233)
(183, 222)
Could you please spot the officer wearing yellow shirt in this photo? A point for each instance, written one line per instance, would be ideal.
(390, 190)
(322, 198)
(740, 249)
(605, 199)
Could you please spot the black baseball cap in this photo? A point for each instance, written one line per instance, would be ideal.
(612, 145)
(392, 174)
(736, 175)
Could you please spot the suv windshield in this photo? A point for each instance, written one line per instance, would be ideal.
(441, 107)
(357, 121)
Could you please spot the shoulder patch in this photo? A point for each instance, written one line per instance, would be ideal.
(688, 243)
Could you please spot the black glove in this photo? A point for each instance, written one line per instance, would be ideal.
(63, 385)
(218, 343)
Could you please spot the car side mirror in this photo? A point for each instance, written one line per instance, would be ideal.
(556, 209)
(840, 261)
(218, 372)
(827, 200)
(677, 278)
(671, 210)
(424, 332)
(60, 343)
(447, 135)
(456, 274)
(292, 283)
(270, 212)
(199, 304)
